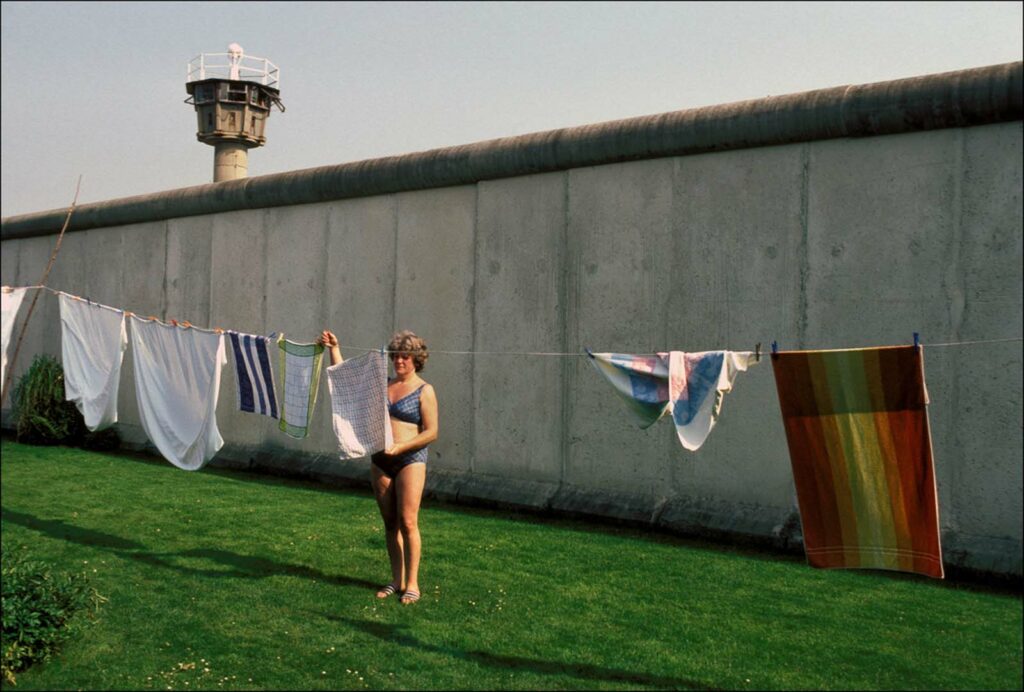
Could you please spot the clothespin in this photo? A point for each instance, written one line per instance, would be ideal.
(152, 318)
(589, 352)
(917, 340)
(775, 347)
(128, 313)
(757, 352)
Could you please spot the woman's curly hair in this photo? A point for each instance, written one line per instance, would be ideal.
(407, 342)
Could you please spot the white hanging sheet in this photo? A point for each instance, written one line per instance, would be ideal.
(177, 381)
(10, 301)
(93, 341)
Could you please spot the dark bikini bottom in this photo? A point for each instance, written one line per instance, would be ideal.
(393, 465)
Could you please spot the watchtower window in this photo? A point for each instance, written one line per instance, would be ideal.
(231, 92)
(204, 93)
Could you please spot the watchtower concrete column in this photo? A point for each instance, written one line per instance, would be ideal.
(230, 161)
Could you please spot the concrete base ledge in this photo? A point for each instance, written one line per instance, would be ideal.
(506, 493)
(754, 524)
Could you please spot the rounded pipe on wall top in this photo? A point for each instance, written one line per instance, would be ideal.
(964, 98)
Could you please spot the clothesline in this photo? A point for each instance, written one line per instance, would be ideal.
(579, 355)
(555, 354)
(888, 519)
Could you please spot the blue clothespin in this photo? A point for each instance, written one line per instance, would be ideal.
(589, 352)
(917, 339)
(775, 347)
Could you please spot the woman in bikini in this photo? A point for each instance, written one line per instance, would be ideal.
(398, 473)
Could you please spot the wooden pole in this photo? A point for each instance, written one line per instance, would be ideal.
(35, 298)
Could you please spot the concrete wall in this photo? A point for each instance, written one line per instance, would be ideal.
(822, 244)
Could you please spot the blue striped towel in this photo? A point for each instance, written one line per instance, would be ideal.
(256, 392)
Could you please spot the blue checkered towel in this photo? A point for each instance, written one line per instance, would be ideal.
(359, 404)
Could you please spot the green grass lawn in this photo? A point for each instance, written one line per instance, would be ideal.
(220, 580)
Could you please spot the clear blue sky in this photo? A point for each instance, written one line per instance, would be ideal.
(97, 88)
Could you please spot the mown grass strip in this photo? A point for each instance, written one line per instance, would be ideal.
(221, 580)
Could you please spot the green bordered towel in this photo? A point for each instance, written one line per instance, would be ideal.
(300, 372)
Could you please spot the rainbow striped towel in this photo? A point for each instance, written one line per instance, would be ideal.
(860, 445)
(690, 386)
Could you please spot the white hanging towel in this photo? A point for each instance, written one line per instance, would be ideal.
(177, 381)
(359, 404)
(689, 386)
(93, 340)
(697, 383)
(10, 301)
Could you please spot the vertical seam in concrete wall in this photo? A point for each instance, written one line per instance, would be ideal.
(265, 271)
(18, 278)
(209, 272)
(327, 304)
(956, 295)
(264, 262)
(473, 328)
(167, 246)
(568, 296)
(804, 250)
(394, 264)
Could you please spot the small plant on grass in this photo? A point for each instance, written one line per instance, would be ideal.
(41, 414)
(38, 609)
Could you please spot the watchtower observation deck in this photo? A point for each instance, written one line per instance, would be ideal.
(232, 94)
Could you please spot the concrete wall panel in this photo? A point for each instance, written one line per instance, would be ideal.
(986, 437)
(735, 282)
(189, 269)
(296, 275)
(40, 336)
(359, 288)
(519, 307)
(434, 299)
(238, 272)
(620, 240)
(143, 277)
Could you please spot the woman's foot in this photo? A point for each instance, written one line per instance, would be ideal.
(410, 596)
(387, 590)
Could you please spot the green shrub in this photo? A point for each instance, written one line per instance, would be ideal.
(41, 415)
(38, 609)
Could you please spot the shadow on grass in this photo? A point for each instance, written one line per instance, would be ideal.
(395, 634)
(240, 566)
(55, 528)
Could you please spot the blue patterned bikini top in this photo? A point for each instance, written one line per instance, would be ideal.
(407, 408)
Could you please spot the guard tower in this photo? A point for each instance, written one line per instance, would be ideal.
(232, 94)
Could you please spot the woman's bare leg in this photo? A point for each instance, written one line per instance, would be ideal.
(408, 494)
(384, 491)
